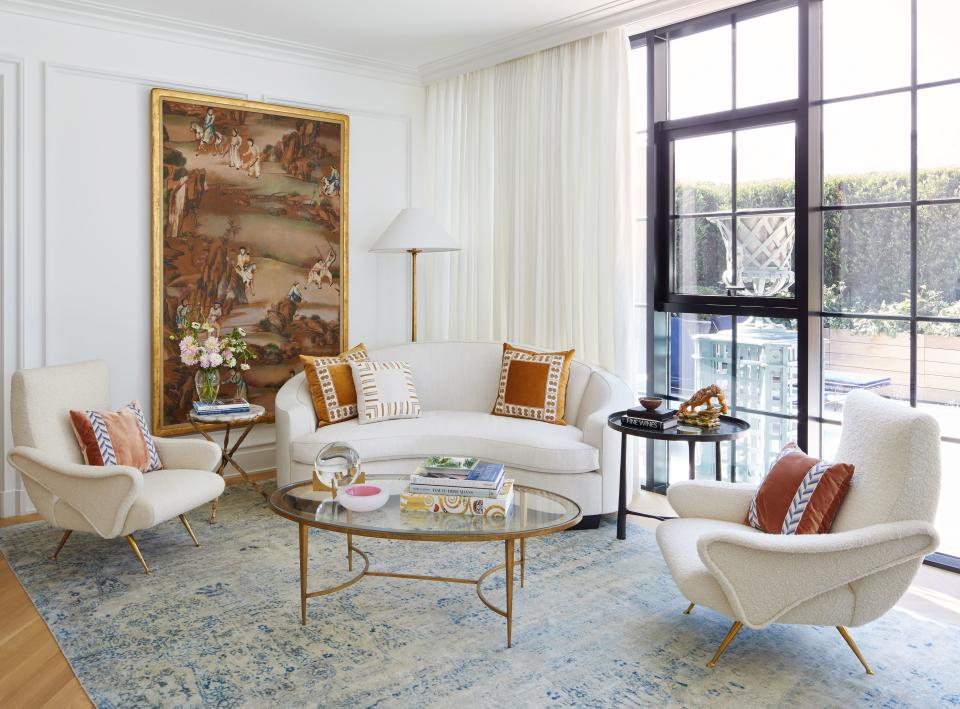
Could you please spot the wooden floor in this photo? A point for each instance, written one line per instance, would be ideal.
(34, 673)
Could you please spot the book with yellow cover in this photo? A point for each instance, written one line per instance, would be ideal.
(459, 504)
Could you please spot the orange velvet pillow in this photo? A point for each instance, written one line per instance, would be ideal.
(331, 385)
(800, 494)
(533, 385)
(116, 438)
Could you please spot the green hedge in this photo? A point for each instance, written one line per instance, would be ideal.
(866, 252)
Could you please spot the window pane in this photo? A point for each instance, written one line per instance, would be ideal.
(767, 58)
(757, 450)
(701, 77)
(766, 159)
(686, 332)
(767, 361)
(938, 374)
(866, 46)
(866, 260)
(864, 354)
(938, 227)
(938, 142)
(937, 55)
(765, 255)
(855, 169)
(702, 173)
(699, 256)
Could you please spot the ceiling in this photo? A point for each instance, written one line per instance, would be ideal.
(420, 37)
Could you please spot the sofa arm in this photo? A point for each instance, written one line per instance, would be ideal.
(709, 499)
(766, 575)
(605, 394)
(295, 417)
(102, 494)
(187, 453)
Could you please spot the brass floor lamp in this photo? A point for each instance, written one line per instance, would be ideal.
(414, 231)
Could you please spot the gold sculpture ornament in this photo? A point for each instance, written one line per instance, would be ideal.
(709, 416)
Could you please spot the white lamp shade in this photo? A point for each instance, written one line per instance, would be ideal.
(415, 228)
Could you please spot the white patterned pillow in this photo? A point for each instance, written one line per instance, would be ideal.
(384, 391)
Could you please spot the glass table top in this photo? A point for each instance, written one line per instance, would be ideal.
(534, 512)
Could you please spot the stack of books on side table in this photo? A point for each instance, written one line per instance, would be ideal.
(464, 486)
(656, 420)
(219, 407)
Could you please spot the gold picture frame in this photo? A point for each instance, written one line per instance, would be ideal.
(275, 200)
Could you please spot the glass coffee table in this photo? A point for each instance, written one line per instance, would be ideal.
(534, 513)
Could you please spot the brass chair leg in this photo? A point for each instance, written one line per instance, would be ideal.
(689, 608)
(731, 634)
(136, 550)
(186, 524)
(63, 540)
(853, 646)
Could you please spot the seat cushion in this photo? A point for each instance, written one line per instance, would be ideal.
(517, 443)
(678, 543)
(168, 493)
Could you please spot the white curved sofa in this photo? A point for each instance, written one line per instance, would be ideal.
(457, 386)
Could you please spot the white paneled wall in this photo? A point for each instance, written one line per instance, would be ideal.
(75, 229)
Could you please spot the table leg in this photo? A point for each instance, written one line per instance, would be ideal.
(349, 552)
(693, 460)
(523, 558)
(719, 464)
(228, 455)
(304, 542)
(509, 552)
(220, 469)
(622, 504)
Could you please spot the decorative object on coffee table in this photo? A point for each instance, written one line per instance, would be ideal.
(337, 465)
(536, 513)
(248, 420)
(728, 428)
(709, 415)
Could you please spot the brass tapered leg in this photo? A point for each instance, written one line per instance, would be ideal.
(523, 559)
(509, 549)
(731, 634)
(304, 543)
(186, 524)
(136, 550)
(63, 540)
(689, 608)
(349, 552)
(853, 646)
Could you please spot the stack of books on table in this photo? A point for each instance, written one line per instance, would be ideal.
(657, 420)
(219, 407)
(464, 486)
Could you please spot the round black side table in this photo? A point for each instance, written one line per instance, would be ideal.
(730, 429)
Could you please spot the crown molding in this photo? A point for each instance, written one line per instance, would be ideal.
(90, 13)
(640, 15)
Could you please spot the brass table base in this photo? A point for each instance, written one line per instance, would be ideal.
(226, 458)
(510, 563)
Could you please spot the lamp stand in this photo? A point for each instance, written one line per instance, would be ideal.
(413, 298)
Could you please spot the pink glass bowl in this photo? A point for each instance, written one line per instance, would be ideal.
(362, 497)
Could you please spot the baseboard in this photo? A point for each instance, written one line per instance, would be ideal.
(588, 522)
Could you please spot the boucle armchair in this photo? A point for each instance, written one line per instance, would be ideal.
(849, 577)
(112, 500)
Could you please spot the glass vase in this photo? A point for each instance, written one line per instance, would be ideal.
(208, 385)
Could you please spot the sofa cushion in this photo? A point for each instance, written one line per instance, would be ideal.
(517, 443)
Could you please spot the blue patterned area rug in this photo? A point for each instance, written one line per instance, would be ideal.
(599, 624)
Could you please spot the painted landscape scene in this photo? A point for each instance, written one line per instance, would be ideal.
(252, 237)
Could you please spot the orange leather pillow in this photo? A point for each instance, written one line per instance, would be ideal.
(533, 385)
(331, 385)
(116, 438)
(800, 494)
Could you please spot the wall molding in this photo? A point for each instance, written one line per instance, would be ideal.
(89, 13)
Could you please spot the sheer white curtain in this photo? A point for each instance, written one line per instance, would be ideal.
(528, 166)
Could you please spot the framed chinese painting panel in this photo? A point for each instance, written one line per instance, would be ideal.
(249, 234)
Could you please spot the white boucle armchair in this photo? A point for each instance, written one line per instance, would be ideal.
(849, 577)
(112, 500)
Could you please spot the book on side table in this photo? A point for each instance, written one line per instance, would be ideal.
(658, 420)
(222, 406)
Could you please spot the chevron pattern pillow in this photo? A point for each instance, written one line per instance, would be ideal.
(800, 494)
(116, 438)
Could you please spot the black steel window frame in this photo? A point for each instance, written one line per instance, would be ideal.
(806, 306)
